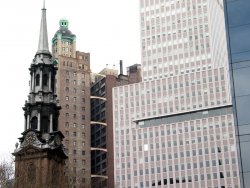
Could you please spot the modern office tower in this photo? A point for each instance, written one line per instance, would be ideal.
(176, 128)
(102, 155)
(73, 89)
(238, 25)
(40, 159)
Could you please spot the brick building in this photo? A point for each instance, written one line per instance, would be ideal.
(73, 89)
(102, 154)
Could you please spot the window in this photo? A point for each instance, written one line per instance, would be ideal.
(67, 98)
(34, 122)
(37, 80)
(45, 80)
(67, 124)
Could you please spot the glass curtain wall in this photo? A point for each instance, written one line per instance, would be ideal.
(237, 14)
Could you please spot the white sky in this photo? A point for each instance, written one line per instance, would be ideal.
(108, 30)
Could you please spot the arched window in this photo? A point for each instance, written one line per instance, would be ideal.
(45, 80)
(37, 80)
(33, 123)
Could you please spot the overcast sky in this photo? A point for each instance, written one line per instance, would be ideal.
(108, 30)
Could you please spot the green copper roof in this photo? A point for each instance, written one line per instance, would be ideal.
(64, 32)
(64, 23)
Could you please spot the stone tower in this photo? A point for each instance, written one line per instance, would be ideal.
(40, 159)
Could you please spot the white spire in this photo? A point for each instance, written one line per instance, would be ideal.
(43, 46)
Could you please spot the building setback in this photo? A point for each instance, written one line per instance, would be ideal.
(102, 155)
(238, 14)
(176, 127)
(73, 90)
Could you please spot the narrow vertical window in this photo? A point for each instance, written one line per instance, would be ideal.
(45, 80)
(37, 80)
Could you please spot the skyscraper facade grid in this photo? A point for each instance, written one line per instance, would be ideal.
(176, 127)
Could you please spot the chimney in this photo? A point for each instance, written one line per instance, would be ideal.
(121, 67)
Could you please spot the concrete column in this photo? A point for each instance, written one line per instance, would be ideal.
(39, 121)
(49, 81)
(33, 82)
(51, 123)
(28, 121)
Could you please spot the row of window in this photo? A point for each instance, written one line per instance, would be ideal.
(67, 115)
(188, 179)
(181, 154)
(75, 142)
(70, 64)
(74, 90)
(175, 82)
(74, 107)
(74, 99)
(67, 125)
(75, 152)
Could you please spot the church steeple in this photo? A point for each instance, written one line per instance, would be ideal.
(42, 109)
(40, 159)
(43, 46)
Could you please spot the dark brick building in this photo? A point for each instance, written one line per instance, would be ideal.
(102, 155)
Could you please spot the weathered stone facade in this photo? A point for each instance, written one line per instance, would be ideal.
(40, 163)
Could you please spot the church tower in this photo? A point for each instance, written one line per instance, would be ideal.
(40, 159)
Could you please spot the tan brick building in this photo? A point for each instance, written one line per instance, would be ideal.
(73, 90)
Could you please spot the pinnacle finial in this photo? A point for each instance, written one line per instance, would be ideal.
(43, 4)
